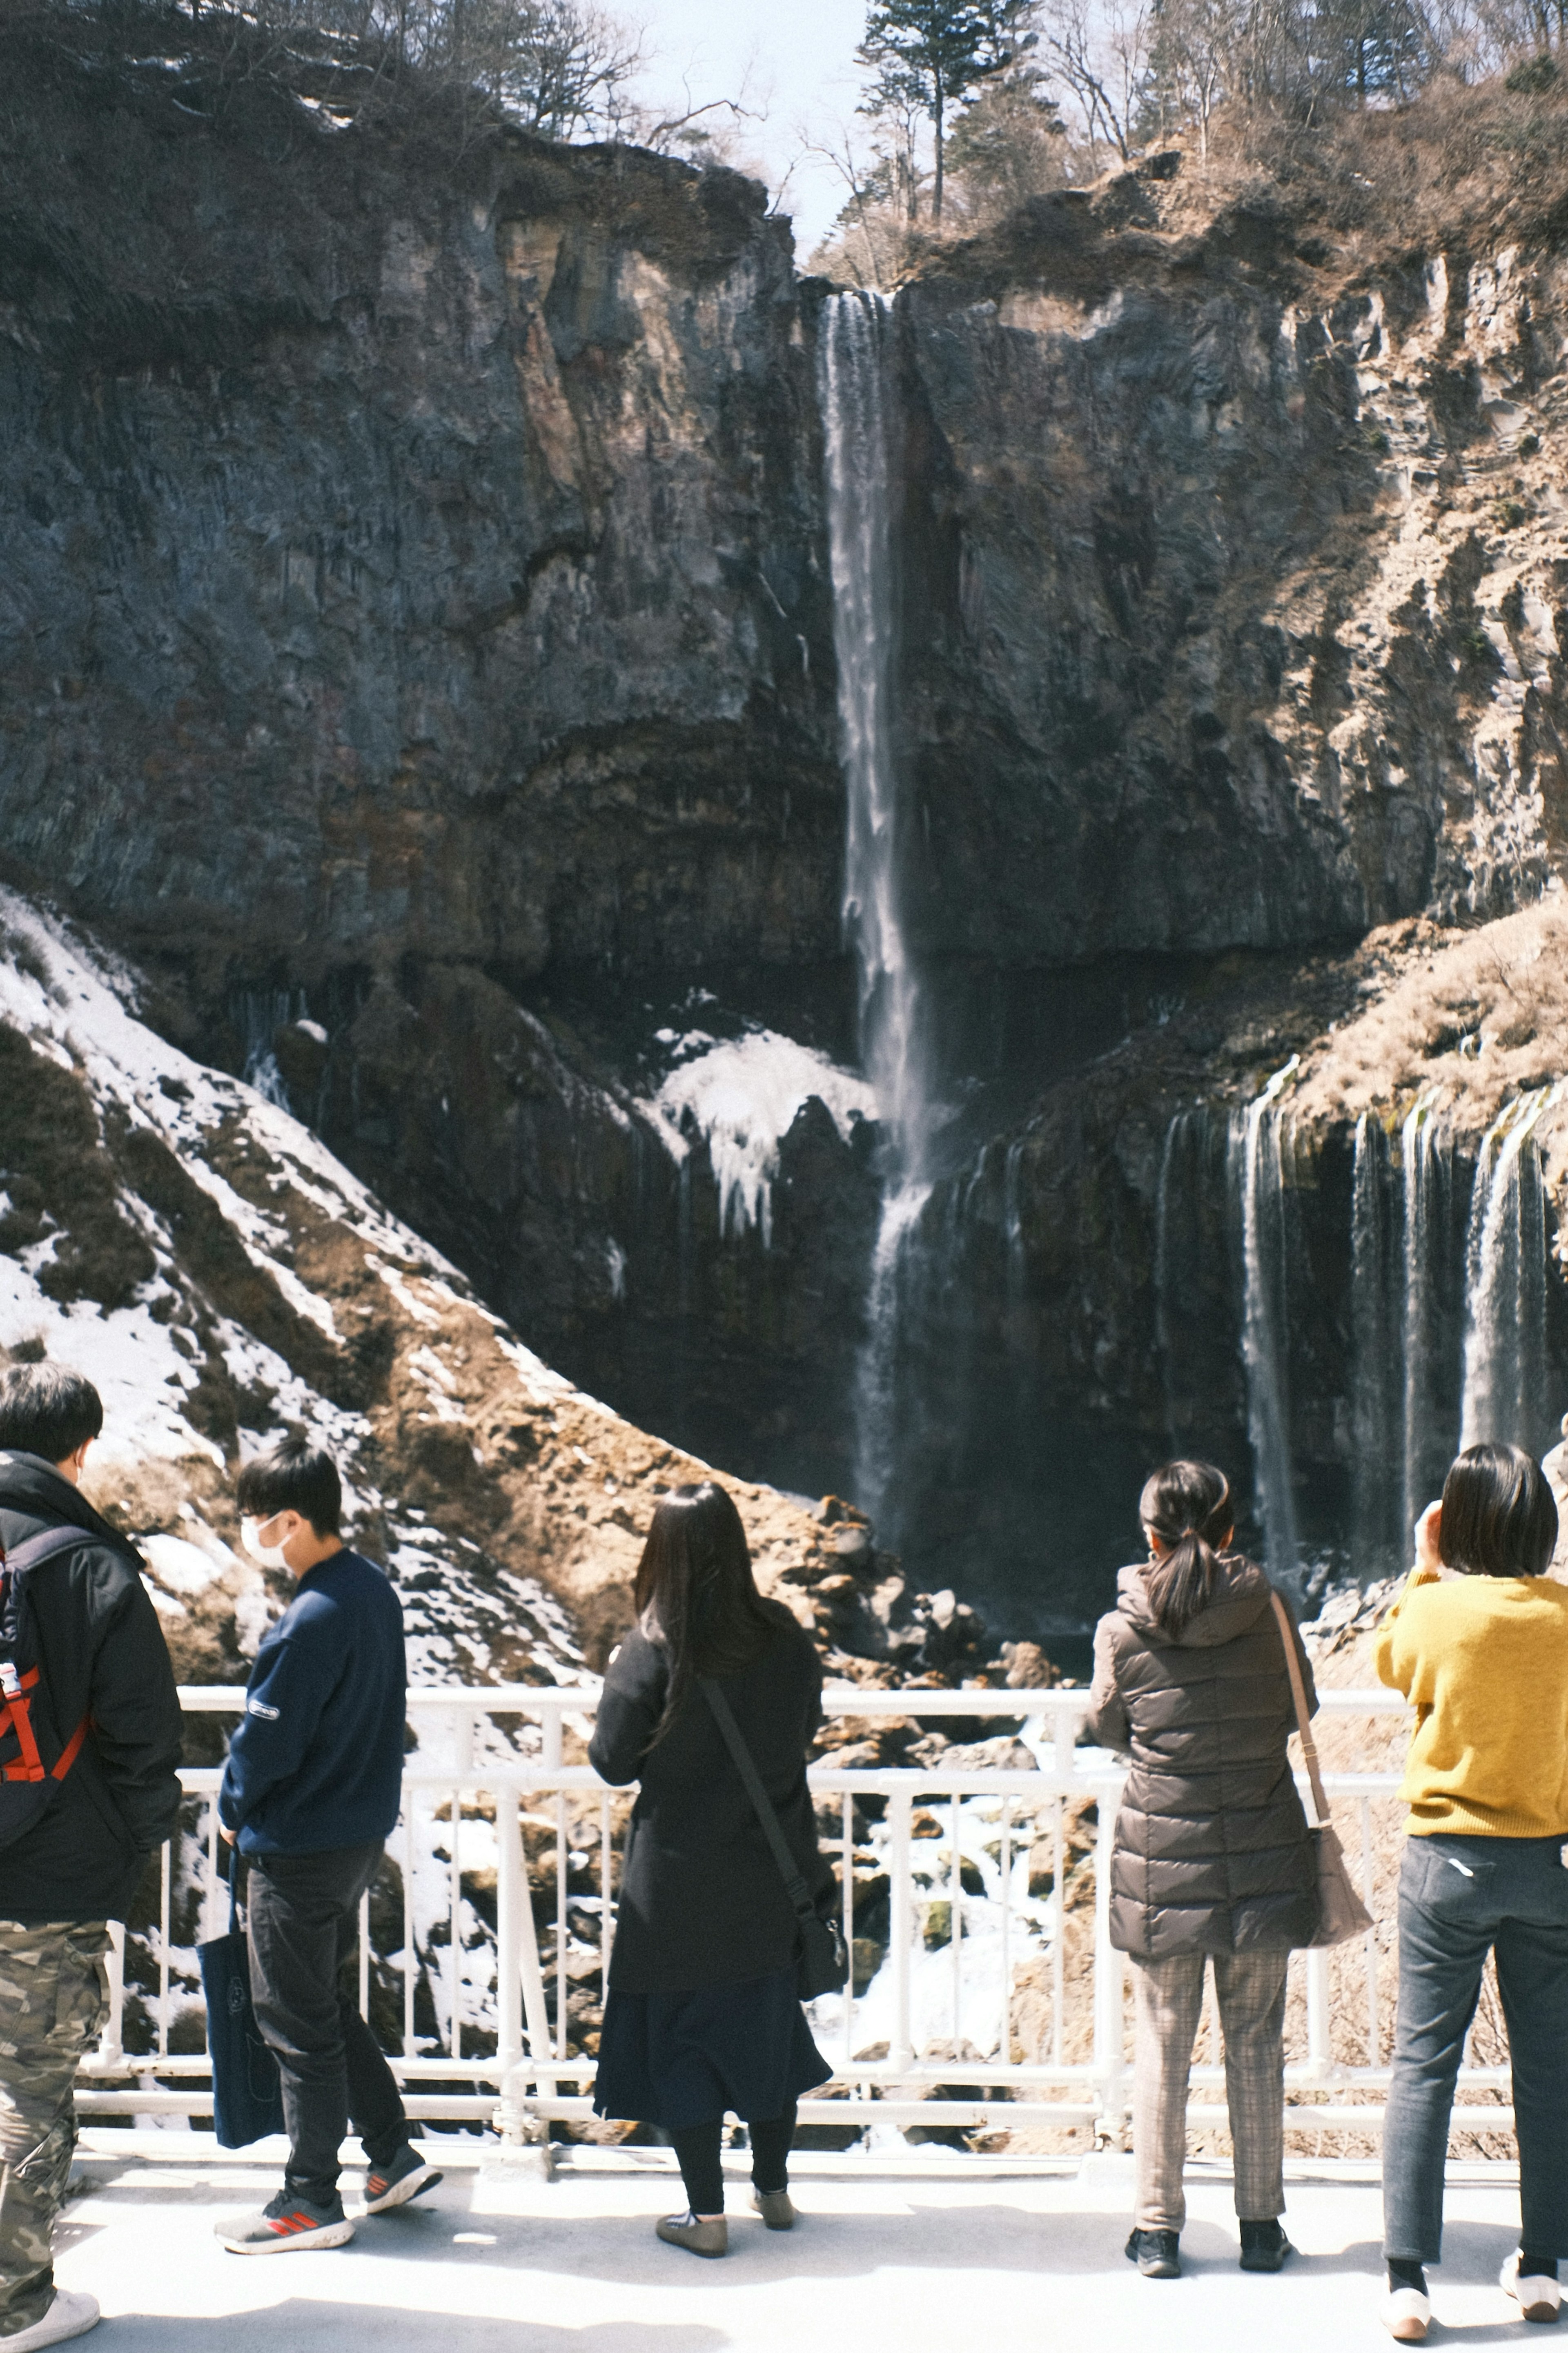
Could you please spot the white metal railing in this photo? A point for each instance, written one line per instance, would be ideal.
(905, 2031)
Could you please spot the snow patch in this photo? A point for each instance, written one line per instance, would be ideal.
(743, 1096)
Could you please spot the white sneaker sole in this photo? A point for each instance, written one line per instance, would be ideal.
(1407, 2315)
(70, 2316)
(402, 2191)
(1544, 2306)
(331, 2235)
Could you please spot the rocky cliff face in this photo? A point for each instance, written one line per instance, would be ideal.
(1234, 580)
(413, 563)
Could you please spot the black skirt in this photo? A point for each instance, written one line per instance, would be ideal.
(679, 2059)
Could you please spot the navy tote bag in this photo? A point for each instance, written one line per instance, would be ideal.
(248, 2098)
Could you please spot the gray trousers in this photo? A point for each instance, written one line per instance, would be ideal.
(1461, 1896)
(1251, 1991)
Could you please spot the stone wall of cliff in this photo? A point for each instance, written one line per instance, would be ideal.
(1233, 579)
(407, 557)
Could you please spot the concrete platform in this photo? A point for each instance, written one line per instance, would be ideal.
(910, 2254)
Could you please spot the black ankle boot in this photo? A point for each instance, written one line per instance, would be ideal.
(1155, 2253)
(1263, 2247)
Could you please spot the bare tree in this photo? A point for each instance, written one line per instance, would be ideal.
(555, 66)
(1097, 50)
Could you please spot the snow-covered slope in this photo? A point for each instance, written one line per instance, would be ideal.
(220, 1276)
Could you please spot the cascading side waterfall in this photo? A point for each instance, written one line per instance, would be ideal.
(1506, 1394)
(1377, 1433)
(860, 426)
(1179, 1194)
(1426, 1324)
(1012, 1228)
(1256, 1169)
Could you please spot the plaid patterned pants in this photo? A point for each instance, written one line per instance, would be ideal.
(1169, 1994)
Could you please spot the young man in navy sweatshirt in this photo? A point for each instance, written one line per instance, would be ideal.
(310, 1790)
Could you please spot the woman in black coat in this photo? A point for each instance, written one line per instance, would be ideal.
(703, 2015)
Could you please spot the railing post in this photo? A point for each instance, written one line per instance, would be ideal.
(110, 2049)
(1109, 2065)
(511, 2114)
(1320, 2049)
(901, 1925)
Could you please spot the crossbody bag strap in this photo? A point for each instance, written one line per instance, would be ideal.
(1303, 1721)
(795, 1887)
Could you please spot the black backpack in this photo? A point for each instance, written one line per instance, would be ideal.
(33, 1759)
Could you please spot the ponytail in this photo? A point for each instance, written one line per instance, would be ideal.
(1187, 1505)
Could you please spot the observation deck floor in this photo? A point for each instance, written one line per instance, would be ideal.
(910, 2252)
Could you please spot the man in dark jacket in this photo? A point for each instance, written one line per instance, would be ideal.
(310, 1790)
(102, 1667)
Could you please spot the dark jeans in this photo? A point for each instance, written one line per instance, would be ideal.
(302, 1913)
(1460, 1897)
(697, 2148)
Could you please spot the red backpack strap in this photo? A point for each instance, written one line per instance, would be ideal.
(18, 1713)
(72, 1750)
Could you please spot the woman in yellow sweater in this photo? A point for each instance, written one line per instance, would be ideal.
(1478, 1643)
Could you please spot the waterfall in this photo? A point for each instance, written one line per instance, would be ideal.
(260, 1014)
(1013, 1226)
(860, 423)
(1257, 1178)
(1376, 1399)
(1178, 1250)
(1425, 1323)
(1506, 1394)
(858, 419)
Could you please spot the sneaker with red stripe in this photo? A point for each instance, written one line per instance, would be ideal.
(286, 2222)
(387, 2186)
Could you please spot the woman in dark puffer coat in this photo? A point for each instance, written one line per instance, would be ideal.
(1213, 1858)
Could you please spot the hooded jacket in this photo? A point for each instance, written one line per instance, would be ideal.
(102, 1655)
(1213, 1853)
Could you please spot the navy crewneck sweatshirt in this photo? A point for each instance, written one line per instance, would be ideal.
(316, 1761)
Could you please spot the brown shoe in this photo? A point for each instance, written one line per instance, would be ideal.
(697, 2238)
(774, 2208)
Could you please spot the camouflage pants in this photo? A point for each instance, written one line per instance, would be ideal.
(51, 1999)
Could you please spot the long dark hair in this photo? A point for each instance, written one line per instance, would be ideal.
(1187, 1505)
(695, 1592)
(1500, 1516)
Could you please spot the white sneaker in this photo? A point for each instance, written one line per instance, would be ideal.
(1538, 2299)
(1406, 2315)
(70, 2316)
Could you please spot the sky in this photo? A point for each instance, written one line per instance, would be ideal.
(790, 61)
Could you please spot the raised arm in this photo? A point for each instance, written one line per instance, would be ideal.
(1107, 1724)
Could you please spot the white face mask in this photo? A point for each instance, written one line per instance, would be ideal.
(269, 1555)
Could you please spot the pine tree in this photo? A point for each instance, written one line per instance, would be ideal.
(933, 54)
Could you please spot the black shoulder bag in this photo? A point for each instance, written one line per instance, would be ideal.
(821, 1963)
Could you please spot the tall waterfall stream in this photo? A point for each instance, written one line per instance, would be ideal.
(860, 416)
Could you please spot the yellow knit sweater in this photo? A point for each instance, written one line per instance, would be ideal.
(1484, 1662)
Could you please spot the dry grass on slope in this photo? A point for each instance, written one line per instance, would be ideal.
(1475, 1016)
